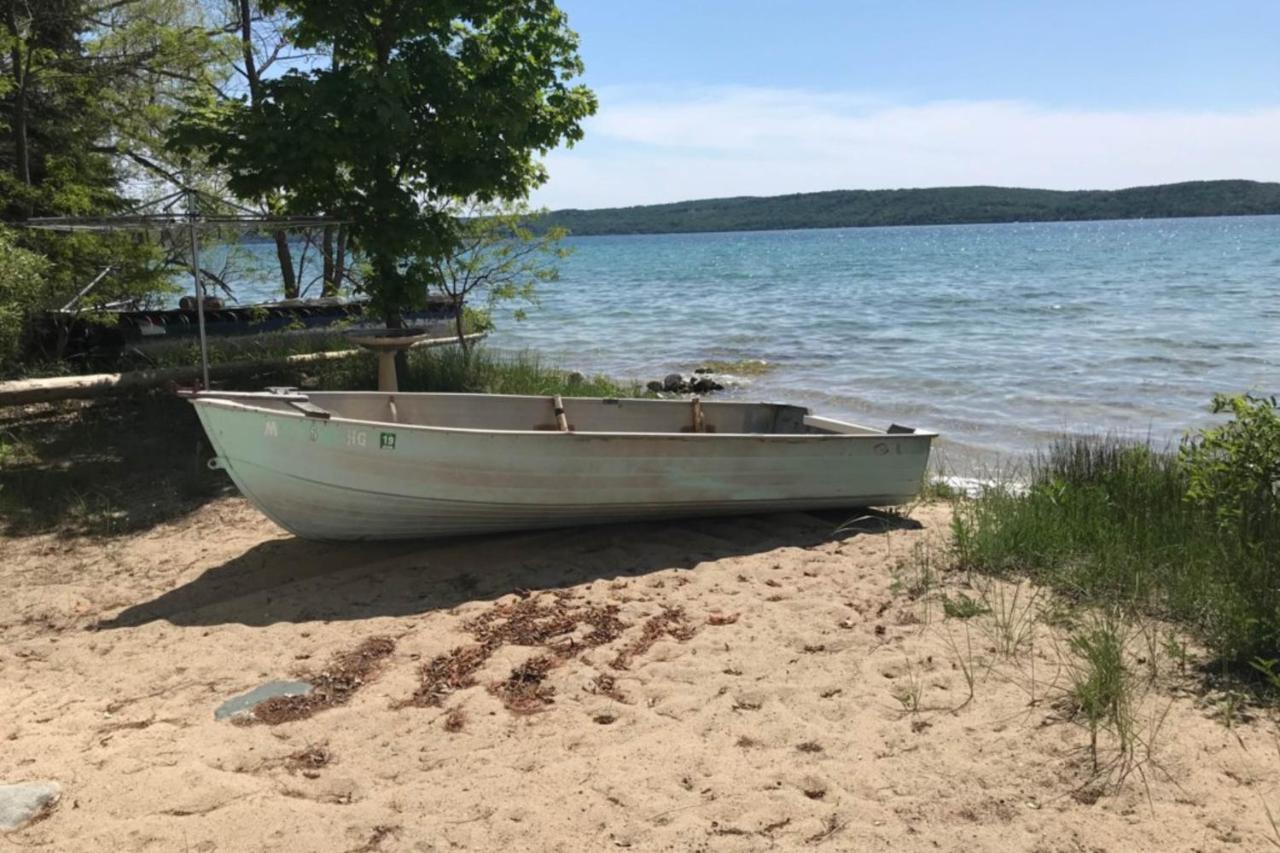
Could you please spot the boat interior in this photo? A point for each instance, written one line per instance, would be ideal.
(551, 414)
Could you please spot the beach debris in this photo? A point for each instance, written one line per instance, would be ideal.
(523, 692)
(770, 828)
(23, 802)
(243, 704)
(830, 827)
(444, 674)
(722, 618)
(605, 685)
(529, 621)
(671, 622)
(809, 746)
(380, 833)
(563, 630)
(455, 720)
(309, 760)
(333, 686)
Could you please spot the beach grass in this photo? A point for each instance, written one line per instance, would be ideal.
(1166, 532)
(451, 370)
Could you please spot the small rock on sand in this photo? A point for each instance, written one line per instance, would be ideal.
(23, 801)
(245, 703)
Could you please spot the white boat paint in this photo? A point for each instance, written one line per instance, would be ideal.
(371, 465)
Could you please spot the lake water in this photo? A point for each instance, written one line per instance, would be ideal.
(997, 336)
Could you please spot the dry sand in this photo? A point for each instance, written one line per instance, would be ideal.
(817, 704)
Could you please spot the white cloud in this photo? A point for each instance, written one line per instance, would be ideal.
(643, 149)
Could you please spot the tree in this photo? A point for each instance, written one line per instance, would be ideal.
(55, 108)
(499, 257)
(426, 100)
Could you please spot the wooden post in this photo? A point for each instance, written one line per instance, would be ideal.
(561, 420)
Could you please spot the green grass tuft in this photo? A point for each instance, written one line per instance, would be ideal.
(1107, 521)
(962, 606)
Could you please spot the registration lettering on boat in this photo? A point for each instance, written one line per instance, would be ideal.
(357, 438)
(271, 429)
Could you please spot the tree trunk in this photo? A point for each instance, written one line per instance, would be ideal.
(460, 324)
(330, 287)
(285, 254)
(22, 156)
(246, 49)
(340, 259)
(283, 250)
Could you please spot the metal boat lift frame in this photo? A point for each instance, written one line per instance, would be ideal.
(168, 215)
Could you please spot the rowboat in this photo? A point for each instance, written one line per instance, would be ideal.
(373, 465)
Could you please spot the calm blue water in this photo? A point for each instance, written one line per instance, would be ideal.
(998, 336)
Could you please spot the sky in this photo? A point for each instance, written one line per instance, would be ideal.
(707, 98)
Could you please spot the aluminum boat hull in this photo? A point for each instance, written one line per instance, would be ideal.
(407, 466)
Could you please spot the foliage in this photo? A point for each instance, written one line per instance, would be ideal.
(1113, 522)
(21, 275)
(1101, 683)
(499, 258)
(84, 85)
(154, 56)
(933, 206)
(426, 100)
(1234, 469)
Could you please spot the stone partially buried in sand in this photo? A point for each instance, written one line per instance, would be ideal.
(23, 801)
(239, 705)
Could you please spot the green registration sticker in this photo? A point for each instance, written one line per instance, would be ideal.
(387, 441)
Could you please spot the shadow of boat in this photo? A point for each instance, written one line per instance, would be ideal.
(294, 580)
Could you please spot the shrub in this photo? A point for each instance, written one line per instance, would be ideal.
(22, 274)
(1234, 468)
(1192, 535)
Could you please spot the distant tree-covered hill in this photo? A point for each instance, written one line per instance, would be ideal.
(938, 206)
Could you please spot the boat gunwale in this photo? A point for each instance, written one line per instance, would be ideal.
(228, 402)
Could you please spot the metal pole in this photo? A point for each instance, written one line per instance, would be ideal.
(195, 275)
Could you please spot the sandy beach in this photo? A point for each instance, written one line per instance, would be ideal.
(732, 684)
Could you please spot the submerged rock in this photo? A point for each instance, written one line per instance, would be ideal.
(655, 386)
(673, 382)
(244, 704)
(24, 801)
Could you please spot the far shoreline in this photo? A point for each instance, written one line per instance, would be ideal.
(966, 205)
(573, 235)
